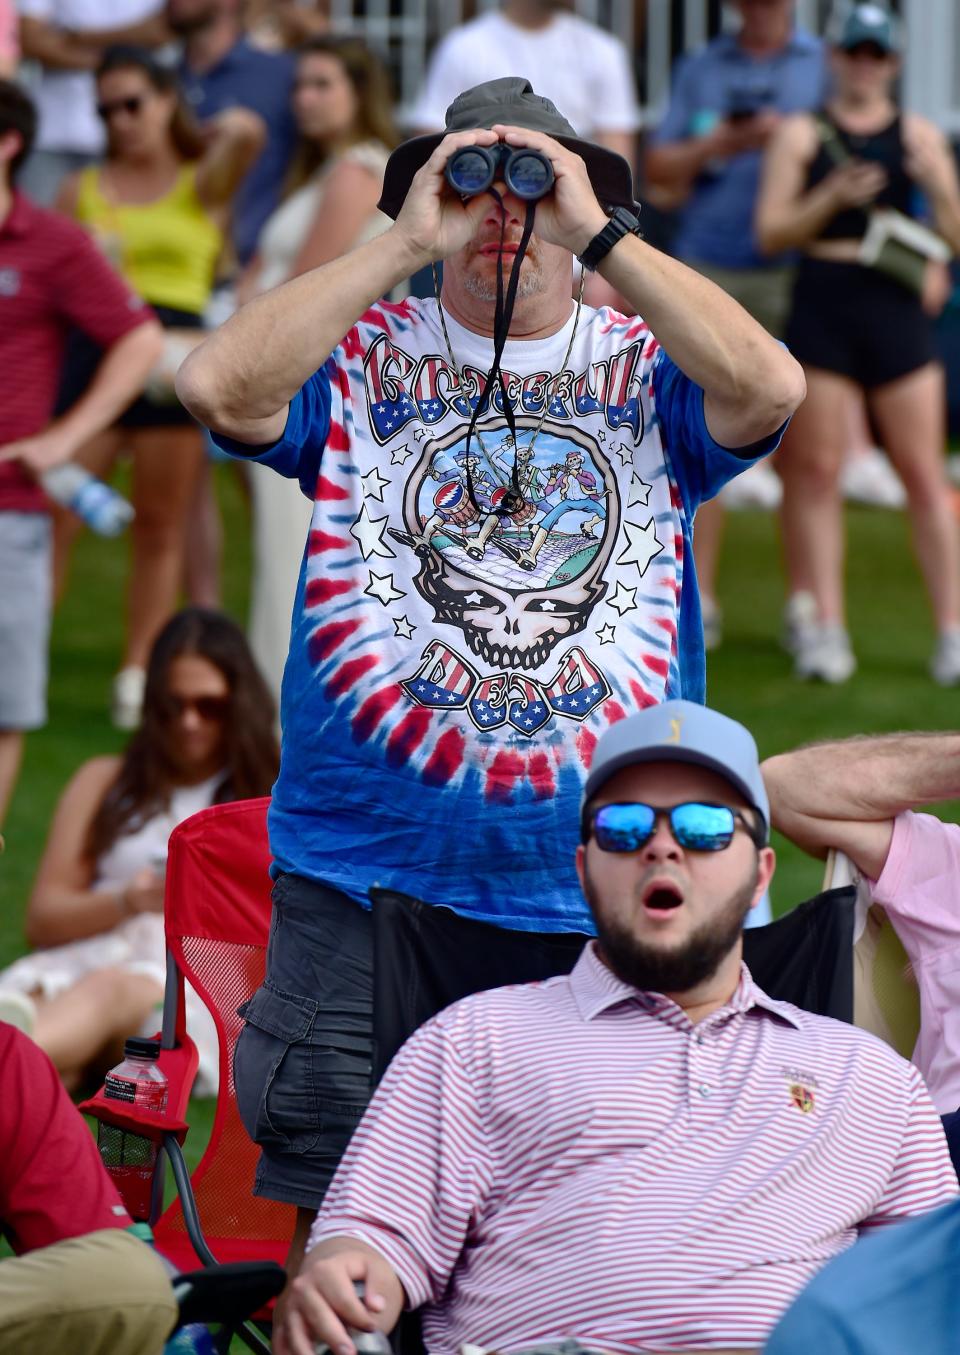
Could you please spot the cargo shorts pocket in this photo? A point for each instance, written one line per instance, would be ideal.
(273, 1071)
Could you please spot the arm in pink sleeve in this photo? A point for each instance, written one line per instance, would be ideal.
(418, 1167)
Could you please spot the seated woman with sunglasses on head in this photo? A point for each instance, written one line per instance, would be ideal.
(96, 912)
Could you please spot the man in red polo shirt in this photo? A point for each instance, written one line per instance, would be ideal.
(52, 277)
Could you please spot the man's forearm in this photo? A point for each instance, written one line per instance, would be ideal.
(118, 380)
(751, 384)
(675, 164)
(150, 32)
(54, 48)
(871, 778)
(846, 795)
(240, 380)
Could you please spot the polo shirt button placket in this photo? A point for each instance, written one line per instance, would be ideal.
(705, 1090)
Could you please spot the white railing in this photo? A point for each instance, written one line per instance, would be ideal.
(657, 32)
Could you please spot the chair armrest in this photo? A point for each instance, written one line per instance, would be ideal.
(149, 1124)
(180, 1067)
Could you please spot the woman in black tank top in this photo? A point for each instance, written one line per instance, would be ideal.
(884, 148)
(860, 334)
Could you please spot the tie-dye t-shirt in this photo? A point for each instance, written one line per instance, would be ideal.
(451, 667)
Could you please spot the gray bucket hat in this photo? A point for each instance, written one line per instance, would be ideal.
(510, 100)
(682, 731)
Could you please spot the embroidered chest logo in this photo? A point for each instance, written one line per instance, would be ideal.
(802, 1097)
(801, 1089)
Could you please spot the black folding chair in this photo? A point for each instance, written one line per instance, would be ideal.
(426, 957)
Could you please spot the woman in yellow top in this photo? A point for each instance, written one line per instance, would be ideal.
(158, 206)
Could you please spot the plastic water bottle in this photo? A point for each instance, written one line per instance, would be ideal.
(131, 1159)
(103, 510)
(194, 1339)
(139, 1079)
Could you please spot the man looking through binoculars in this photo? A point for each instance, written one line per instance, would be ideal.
(441, 701)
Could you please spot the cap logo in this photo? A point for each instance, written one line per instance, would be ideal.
(675, 724)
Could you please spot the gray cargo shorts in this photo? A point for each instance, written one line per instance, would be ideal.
(303, 1061)
(25, 604)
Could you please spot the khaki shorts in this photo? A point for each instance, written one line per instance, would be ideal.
(106, 1293)
(764, 293)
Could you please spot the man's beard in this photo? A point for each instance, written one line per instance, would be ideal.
(663, 969)
(483, 286)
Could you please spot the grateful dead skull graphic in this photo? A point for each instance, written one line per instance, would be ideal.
(516, 580)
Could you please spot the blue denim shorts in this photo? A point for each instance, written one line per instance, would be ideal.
(302, 1064)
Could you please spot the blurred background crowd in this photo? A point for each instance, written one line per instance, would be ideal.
(211, 149)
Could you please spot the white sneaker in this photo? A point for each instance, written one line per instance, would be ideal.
(799, 621)
(19, 1010)
(712, 618)
(757, 487)
(127, 703)
(869, 478)
(824, 653)
(945, 664)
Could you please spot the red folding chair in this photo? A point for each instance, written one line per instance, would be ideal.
(217, 918)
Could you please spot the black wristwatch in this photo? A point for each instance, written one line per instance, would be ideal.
(621, 223)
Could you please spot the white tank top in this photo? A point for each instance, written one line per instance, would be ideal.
(147, 845)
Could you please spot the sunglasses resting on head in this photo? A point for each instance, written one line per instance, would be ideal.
(696, 826)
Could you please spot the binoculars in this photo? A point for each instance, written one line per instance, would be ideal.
(471, 170)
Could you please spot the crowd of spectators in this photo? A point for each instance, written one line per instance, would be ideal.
(215, 242)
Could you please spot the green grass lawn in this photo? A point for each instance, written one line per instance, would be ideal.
(749, 677)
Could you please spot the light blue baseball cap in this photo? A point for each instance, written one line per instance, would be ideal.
(682, 731)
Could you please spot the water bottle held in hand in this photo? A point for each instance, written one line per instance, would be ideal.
(103, 510)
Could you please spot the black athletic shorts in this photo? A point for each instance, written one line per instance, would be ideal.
(858, 323)
(83, 356)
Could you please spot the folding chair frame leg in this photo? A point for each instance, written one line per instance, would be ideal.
(248, 1333)
(188, 1203)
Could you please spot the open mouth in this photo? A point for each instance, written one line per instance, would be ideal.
(662, 897)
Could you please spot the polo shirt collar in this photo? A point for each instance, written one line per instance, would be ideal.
(596, 989)
(20, 216)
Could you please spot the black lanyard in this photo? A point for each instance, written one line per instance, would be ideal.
(512, 500)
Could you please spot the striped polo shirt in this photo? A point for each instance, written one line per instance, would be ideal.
(575, 1158)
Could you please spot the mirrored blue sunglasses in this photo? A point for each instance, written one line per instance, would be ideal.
(696, 826)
